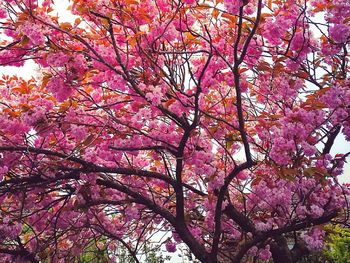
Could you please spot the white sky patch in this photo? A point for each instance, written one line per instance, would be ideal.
(342, 146)
(61, 9)
(27, 71)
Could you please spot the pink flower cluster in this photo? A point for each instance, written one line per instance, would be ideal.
(59, 88)
(9, 230)
(34, 31)
(233, 6)
(314, 238)
(339, 33)
(170, 246)
(294, 133)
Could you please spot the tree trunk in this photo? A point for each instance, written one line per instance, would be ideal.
(280, 251)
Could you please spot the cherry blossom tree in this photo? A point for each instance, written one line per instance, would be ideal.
(211, 120)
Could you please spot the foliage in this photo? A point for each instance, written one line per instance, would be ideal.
(211, 120)
(153, 255)
(93, 252)
(337, 247)
(314, 257)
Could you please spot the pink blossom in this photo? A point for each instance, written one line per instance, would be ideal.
(78, 132)
(339, 33)
(131, 213)
(170, 246)
(59, 89)
(253, 251)
(189, 2)
(316, 211)
(233, 6)
(301, 211)
(242, 175)
(3, 13)
(314, 239)
(34, 31)
(261, 226)
(265, 253)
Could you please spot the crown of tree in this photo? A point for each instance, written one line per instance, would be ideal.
(210, 121)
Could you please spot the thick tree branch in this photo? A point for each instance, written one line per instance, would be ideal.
(23, 254)
(197, 249)
(280, 231)
(331, 138)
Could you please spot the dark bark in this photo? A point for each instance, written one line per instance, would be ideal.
(280, 251)
(239, 218)
(299, 250)
(21, 254)
(331, 138)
